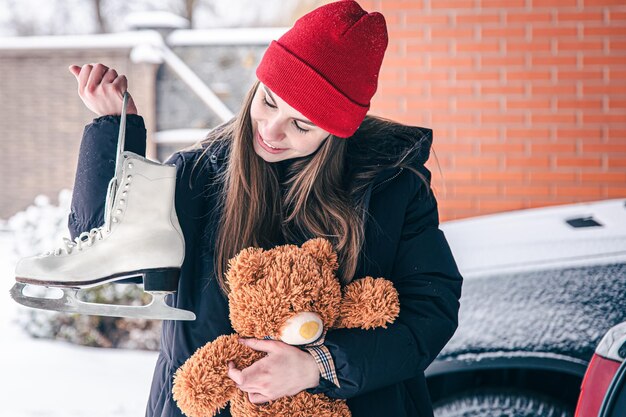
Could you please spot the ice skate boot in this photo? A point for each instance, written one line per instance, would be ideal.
(141, 236)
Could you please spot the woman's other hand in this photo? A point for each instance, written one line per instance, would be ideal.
(102, 90)
(284, 371)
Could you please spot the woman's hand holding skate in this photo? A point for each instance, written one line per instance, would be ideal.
(101, 89)
(285, 371)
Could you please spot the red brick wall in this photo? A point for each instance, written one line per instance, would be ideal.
(526, 98)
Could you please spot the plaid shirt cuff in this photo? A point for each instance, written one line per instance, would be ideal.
(324, 361)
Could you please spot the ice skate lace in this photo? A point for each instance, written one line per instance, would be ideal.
(95, 234)
(85, 238)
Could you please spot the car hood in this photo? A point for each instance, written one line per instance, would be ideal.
(569, 235)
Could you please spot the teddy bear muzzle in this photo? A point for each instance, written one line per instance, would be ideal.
(305, 327)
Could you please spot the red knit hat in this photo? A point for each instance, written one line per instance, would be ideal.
(326, 66)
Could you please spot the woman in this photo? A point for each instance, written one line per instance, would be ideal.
(300, 160)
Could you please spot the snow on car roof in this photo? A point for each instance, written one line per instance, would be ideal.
(591, 233)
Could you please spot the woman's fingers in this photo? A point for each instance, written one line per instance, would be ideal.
(240, 378)
(93, 74)
(95, 77)
(109, 76)
(82, 78)
(261, 345)
(234, 373)
(121, 84)
(75, 70)
(256, 398)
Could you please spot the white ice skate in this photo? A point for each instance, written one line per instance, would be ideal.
(141, 236)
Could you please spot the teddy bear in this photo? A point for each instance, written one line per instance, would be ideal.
(286, 293)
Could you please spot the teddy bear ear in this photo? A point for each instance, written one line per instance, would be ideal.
(245, 268)
(322, 250)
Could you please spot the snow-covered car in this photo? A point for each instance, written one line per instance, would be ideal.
(603, 392)
(541, 287)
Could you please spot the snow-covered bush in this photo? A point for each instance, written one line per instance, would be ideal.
(41, 228)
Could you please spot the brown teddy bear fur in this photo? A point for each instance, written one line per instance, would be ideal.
(267, 287)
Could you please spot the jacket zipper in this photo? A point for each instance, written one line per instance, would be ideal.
(388, 179)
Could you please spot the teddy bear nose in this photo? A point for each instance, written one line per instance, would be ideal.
(303, 328)
(309, 329)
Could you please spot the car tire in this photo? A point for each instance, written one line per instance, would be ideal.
(500, 403)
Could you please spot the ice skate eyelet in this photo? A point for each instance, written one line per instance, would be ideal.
(122, 202)
(126, 185)
(129, 177)
(114, 220)
(124, 193)
(130, 166)
(118, 211)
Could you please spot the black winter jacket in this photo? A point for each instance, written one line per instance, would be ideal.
(381, 371)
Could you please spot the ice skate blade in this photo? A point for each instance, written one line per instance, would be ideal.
(154, 280)
(69, 303)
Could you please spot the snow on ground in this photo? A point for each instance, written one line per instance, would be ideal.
(47, 378)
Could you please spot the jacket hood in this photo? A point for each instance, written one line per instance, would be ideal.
(381, 144)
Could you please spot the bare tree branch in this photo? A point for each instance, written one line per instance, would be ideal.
(101, 26)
